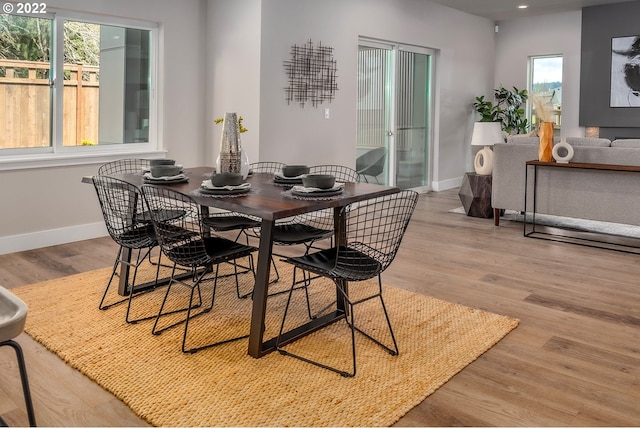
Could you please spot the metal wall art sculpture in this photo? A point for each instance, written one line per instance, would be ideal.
(311, 74)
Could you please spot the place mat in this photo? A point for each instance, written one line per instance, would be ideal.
(223, 386)
(180, 178)
(290, 193)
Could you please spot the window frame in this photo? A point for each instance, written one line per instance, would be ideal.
(59, 155)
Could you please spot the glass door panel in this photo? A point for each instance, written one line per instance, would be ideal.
(412, 132)
(394, 110)
(374, 106)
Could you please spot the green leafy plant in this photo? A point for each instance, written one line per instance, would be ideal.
(240, 126)
(507, 109)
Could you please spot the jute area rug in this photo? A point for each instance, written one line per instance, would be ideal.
(223, 386)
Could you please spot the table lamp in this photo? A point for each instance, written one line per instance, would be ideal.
(485, 134)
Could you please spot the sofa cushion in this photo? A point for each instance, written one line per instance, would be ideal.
(588, 142)
(522, 139)
(630, 142)
(525, 139)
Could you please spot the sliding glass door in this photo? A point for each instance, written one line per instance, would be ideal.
(394, 112)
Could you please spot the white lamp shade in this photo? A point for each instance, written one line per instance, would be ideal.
(487, 134)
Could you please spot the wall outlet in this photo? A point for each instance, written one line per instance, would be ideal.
(327, 113)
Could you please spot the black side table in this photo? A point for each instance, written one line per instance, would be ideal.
(475, 195)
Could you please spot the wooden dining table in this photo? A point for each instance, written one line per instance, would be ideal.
(270, 202)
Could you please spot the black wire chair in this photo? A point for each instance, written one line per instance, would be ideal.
(122, 166)
(228, 221)
(124, 215)
(370, 241)
(269, 167)
(309, 228)
(341, 173)
(185, 241)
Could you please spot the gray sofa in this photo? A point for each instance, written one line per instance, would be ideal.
(589, 194)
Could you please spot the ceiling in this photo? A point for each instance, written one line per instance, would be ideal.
(502, 10)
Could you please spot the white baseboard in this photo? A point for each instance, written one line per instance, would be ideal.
(452, 183)
(46, 238)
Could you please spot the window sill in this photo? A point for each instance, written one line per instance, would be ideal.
(49, 160)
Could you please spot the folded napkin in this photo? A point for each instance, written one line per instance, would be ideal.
(207, 185)
(180, 176)
(303, 189)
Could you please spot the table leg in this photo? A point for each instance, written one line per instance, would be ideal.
(261, 290)
(339, 225)
(123, 285)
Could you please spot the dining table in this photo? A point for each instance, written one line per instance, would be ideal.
(270, 200)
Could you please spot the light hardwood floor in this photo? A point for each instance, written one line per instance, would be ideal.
(574, 360)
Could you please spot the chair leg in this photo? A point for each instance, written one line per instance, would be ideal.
(131, 290)
(213, 297)
(350, 320)
(155, 330)
(102, 306)
(283, 351)
(23, 378)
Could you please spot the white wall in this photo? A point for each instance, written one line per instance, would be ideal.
(560, 33)
(233, 71)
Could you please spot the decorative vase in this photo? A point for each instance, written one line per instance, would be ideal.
(230, 154)
(545, 149)
(562, 152)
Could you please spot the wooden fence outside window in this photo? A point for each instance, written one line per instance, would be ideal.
(25, 104)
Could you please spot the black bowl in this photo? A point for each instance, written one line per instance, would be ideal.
(156, 162)
(226, 179)
(165, 170)
(319, 181)
(294, 170)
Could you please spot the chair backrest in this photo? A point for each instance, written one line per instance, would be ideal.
(269, 167)
(181, 238)
(122, 207)
(123, 166)
(341, 173)
(373, 233)
(372, 162)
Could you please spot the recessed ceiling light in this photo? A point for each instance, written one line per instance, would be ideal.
(523, 6)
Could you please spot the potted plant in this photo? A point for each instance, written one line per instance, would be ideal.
(507, 109)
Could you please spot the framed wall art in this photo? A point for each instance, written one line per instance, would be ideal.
(625, 71)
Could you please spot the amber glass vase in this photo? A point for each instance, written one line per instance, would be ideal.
(545, 149)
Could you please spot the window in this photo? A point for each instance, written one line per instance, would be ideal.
(545, 90)
(75, 86)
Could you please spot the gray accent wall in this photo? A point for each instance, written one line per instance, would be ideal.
(599, 25)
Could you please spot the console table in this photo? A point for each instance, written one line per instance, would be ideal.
(625, 244)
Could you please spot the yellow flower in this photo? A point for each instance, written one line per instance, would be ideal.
(87, 143)
(240, 126)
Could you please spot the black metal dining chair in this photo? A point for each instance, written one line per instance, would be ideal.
(269, 167)
(310, 228)
(227, 221)
(127, 222)
(123, 166)
(342, 173)
(186, 242)
(366, 247)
